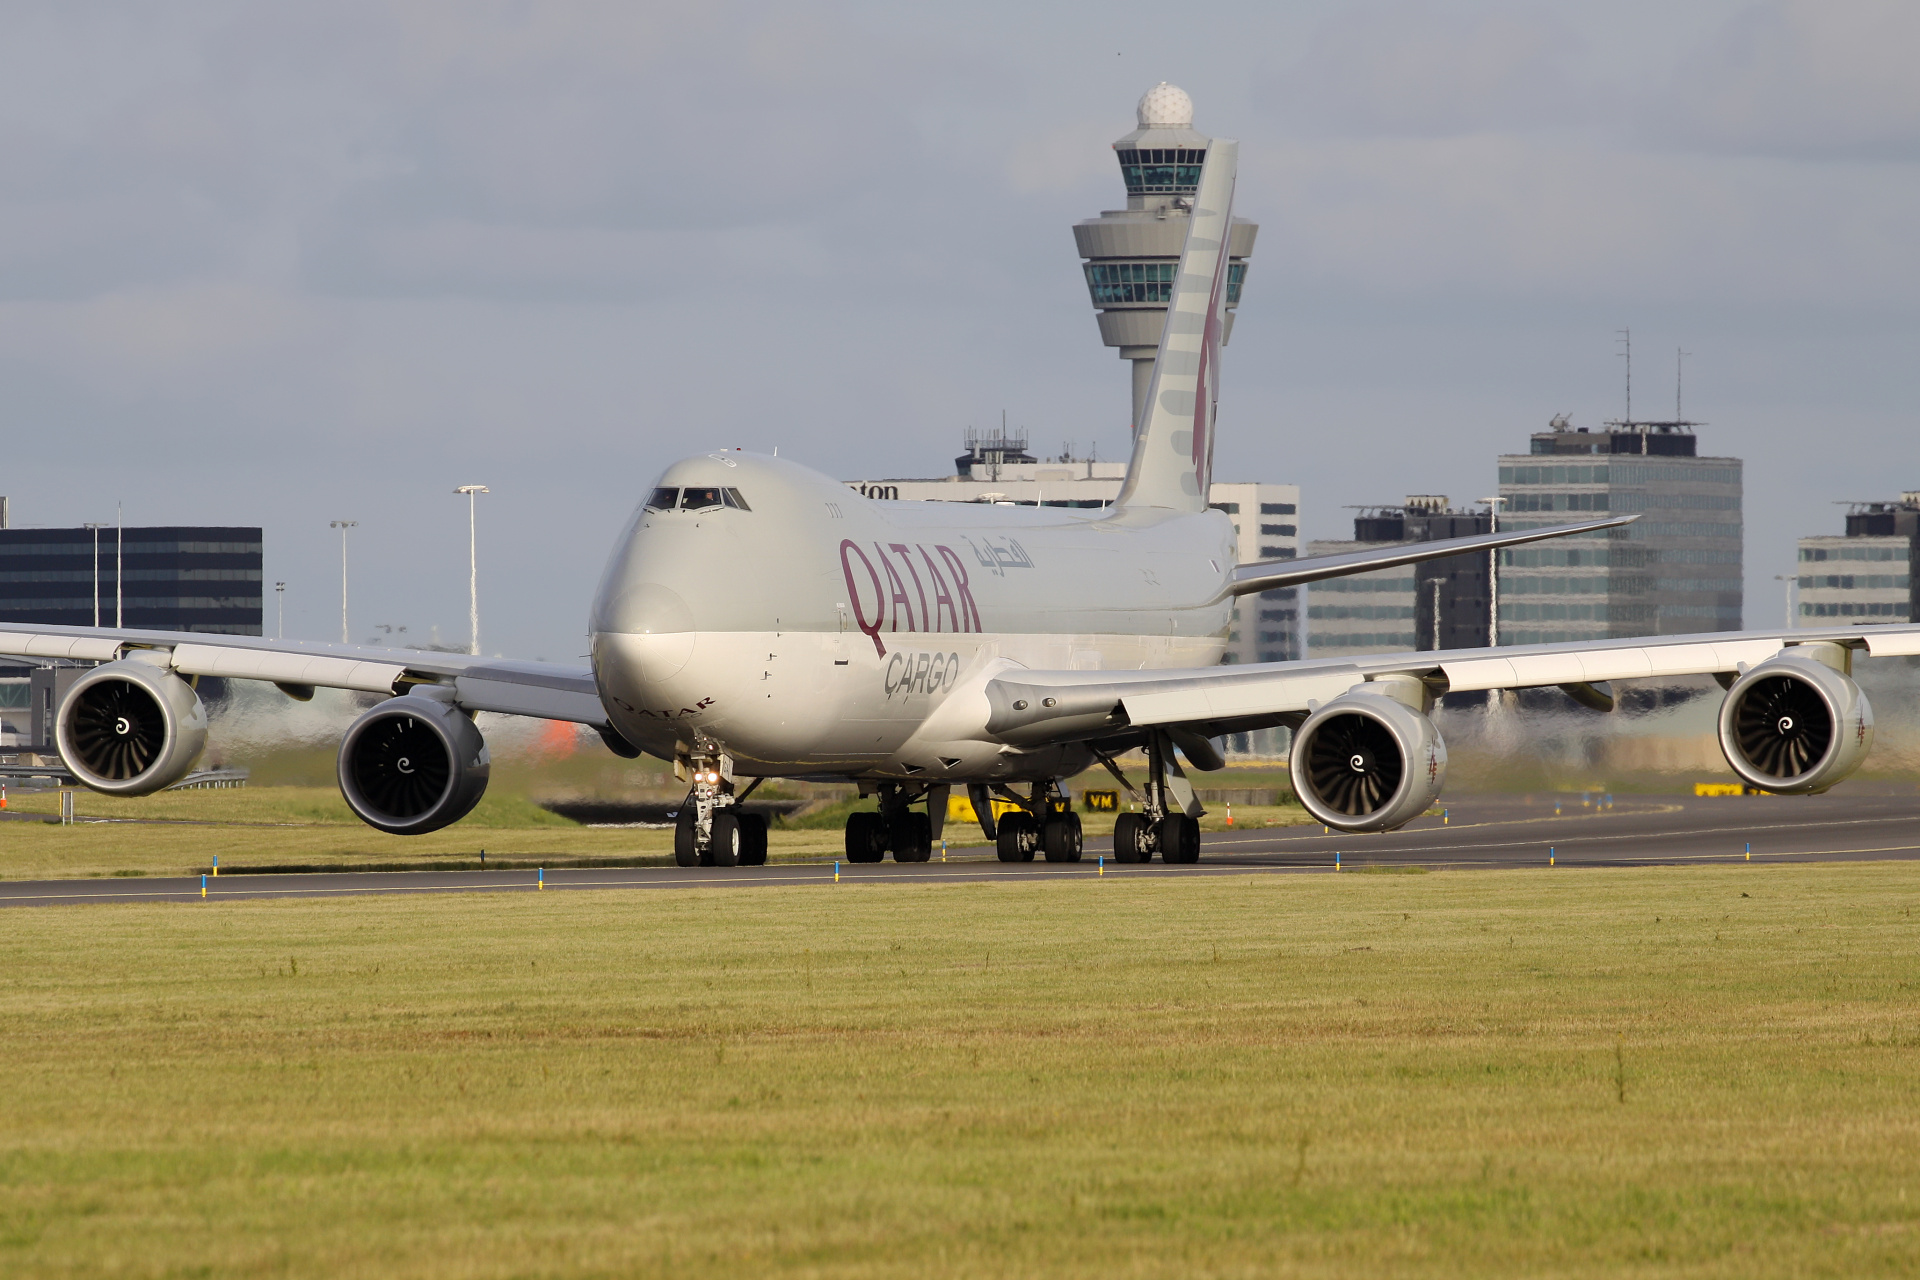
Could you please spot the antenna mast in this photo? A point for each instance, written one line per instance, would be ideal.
(1626, 341)
(1679, 372)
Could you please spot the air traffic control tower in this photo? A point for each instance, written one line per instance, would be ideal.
(1133, 253)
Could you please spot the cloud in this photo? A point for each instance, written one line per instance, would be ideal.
(1421, 69)
(1808, 79)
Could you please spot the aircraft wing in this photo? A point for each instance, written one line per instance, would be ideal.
(1265, 575)
(548, 690)
(1029, 708)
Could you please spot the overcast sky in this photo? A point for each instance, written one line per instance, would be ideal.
(281, 264)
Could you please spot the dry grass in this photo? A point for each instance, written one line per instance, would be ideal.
(1700, 1072)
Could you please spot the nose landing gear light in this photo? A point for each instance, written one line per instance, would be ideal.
(711, 829)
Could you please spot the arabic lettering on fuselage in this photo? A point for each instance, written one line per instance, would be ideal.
(882, 599)
(1000, 559)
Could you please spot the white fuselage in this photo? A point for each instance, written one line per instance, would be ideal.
(820, 632)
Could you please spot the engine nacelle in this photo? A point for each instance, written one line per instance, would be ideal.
(412, 765)
(130, 728)
(1367, 762)
(1794, 725)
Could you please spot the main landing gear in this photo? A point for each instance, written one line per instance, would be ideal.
(1166, 824)
(897, 828)
(711, 829)
(1044, 823)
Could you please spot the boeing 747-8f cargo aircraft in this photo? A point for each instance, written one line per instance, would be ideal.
(917, 647)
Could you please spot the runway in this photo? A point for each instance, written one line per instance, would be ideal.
(1478, 832)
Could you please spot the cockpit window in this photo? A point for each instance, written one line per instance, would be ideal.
(699, 499)
(663, 499)
(735, 500)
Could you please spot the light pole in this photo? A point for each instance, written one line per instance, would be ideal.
(1493, 573)
(96, 568)
(280, 602)
(1787, 579)
(343, 526)
(473, 567)
(119, 563)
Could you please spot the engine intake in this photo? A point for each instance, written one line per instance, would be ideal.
(130, 728)
(1367, 762)
(1794, 725)
(412, 765)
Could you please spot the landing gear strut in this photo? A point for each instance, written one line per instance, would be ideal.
(1165, 823)
(711, 829)
(909, 834)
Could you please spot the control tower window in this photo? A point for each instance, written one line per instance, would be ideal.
(699, 499)
(1161, 170)
(1115, 283)
(1236, 276)
(662, 499)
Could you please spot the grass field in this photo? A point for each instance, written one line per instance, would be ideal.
(311, 826)
(1672, 1072)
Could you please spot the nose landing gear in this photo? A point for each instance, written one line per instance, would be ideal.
(711, 829)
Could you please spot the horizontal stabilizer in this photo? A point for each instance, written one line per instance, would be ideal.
(1265, 575)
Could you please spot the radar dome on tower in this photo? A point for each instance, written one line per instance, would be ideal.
(1165, 106)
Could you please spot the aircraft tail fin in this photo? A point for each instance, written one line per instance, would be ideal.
(1172, 463)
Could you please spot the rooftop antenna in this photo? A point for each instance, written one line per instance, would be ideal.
(1679, 370)
(1626, 342)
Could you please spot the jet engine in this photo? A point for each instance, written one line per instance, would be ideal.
(1794, 725)
(130, 728)
(1367, 762)
(412, 765)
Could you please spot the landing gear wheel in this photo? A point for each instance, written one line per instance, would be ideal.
(912, 837)
(1179, 838)
(1130, 839)
(724, 850)
(685, 852)
(1019, 837)
(866, 837)
(753, 839)
(1062, 837)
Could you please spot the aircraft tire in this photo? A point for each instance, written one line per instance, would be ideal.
(1179, 838)
(1019, 836)
(866, 837)
(912, 837)
(1130, 839)
(1062, 837)
(684, 852)
(753, 839)
(724, 849)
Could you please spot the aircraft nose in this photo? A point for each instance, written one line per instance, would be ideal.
(658, 613)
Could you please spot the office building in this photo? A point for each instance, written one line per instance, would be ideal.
(1866, 574)
(1674, 571)
(1436, 604)
(1133, 253)
(160, 578)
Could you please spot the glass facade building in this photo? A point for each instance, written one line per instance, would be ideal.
(1865, 575)
(1436, 604)
(157, 578)
(1678, 569)
(1266, 526)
